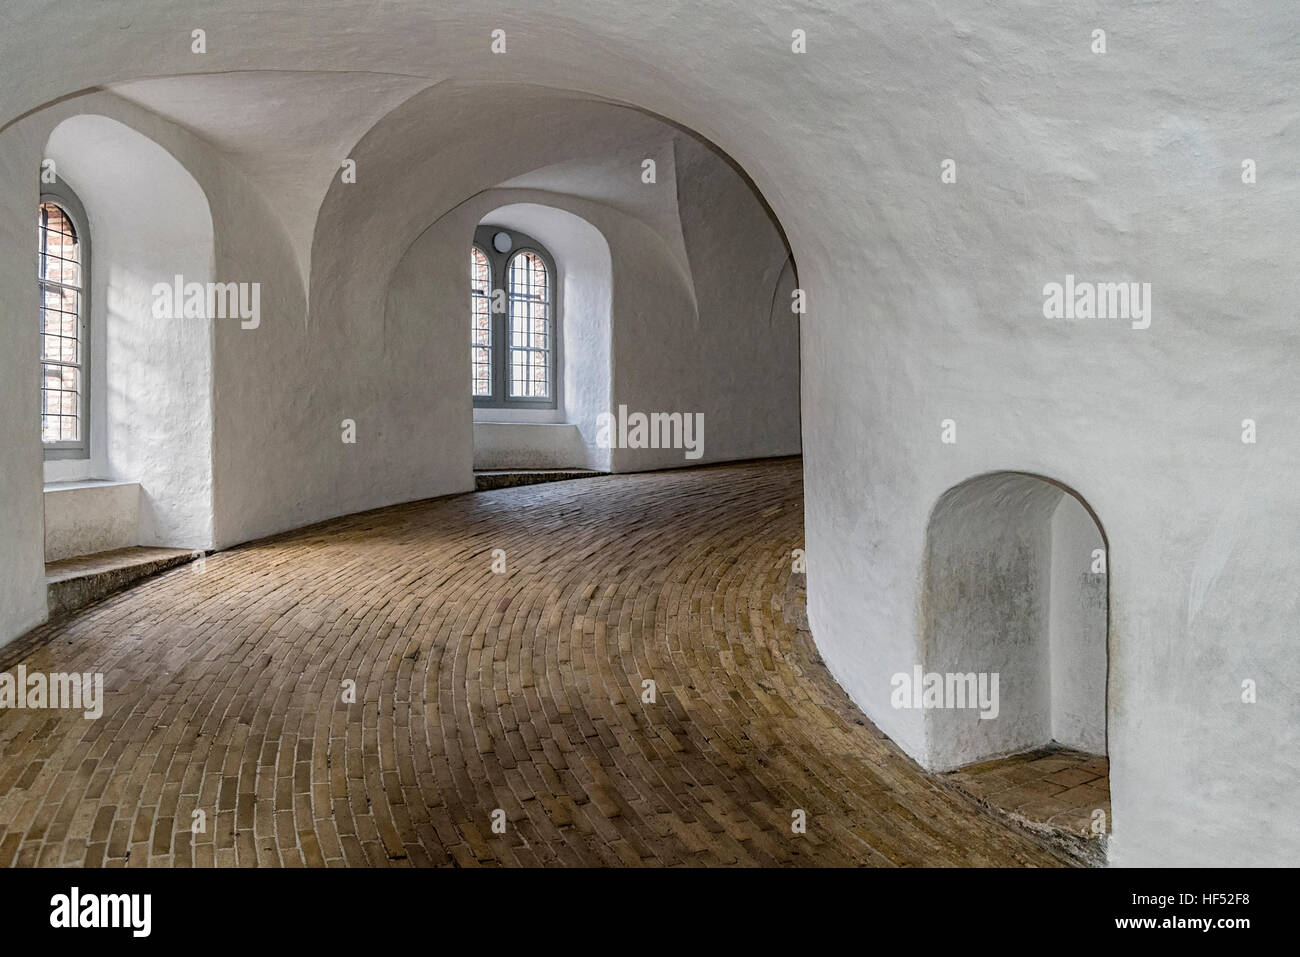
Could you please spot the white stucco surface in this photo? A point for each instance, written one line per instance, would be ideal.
(528, 445)
(22, 533)
(986, 609)
(924, 301)
(82, 518)
(1077, 627)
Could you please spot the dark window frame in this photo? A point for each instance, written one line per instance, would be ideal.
(498, 264)
(60, 194)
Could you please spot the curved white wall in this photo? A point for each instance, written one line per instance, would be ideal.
(22, 539)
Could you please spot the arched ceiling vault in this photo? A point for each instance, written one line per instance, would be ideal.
(709, 72)
(419, 147)
(289, 132)
(451, 142)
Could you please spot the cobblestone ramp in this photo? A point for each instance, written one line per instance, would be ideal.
(478, 691)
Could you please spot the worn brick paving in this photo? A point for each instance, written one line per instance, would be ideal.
(477, 691)
(1051, 785)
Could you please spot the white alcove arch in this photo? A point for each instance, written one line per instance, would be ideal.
(1016, 585)
(151, 378)
(565, 437)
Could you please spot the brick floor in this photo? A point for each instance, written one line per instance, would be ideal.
(1052, 785)
(73, 583)
(477, 692)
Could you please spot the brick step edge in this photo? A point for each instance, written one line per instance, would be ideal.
(487, 480)
(71, 594)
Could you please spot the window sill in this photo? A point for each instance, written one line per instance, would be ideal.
(84, 483)
(518, 416)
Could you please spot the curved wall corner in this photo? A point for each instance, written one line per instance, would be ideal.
(22, 539)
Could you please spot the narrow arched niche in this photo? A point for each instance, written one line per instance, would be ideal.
(1016, 587)
(583, 296)
(151, 378)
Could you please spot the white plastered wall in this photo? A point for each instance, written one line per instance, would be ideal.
(734, 357)
(1077, 626)
(22, 534)
(988, 574)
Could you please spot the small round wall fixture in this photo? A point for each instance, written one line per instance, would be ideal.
(502, 242)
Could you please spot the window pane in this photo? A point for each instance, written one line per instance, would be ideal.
(480, 286)
(529, 284)
(59, 249)
(60, 403)
(61, 325)
(480, 273)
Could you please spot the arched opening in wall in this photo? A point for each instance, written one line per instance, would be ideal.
(699, 282)
(1014, 679)
(142, 477)
(675, 341)
(539, 312)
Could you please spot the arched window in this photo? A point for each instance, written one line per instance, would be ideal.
(530, 326)
(513, 330)
(65, 367)
(480, 287)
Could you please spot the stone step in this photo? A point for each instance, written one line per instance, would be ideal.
(509, 478)
(1055, 792)
(73, 583)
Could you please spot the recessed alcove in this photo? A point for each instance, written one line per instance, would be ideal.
(1016, 587)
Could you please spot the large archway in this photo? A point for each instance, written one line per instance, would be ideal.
(665, 311)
